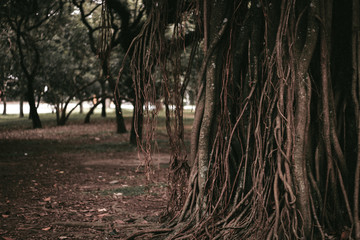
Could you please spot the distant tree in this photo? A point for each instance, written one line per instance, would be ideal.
(90, 14)
(68, 69)
(24, 19)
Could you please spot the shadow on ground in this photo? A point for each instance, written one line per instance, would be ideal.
(77, 182)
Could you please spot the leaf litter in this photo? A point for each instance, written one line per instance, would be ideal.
(55, 192)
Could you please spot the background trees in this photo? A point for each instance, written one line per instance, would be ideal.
(23, 20)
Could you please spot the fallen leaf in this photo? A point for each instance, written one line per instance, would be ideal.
(63, 237)
(118, 221)
(102, 210)
(114, 181)
(48, 199)
(8, 238)
(46, 229)
(5, 216)
(103, 215)
(24, 228)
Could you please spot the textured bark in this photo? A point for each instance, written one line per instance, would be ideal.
(356, 96)
(4, 104)
(302, 94)
(269, 132)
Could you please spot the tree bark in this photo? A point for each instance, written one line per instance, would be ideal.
(4, 103)
(121, 128)
(355, 97)
(136, 125)
(31, 99)
(302, 96)
(103, 100)
(21, 106)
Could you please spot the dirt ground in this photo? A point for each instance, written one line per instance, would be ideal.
(77, 182)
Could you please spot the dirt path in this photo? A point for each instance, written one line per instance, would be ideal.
(76, 182)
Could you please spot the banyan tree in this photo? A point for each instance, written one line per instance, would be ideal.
(276, 133)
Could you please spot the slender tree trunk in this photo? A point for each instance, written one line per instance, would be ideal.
(57, 111)
(21, 106)
(81, 110)
(355, 97)
(103, 100)
(136, 126)
(91, 111)
(4, 103)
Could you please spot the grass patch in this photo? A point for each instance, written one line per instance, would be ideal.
(133, 190)
(126, 191)
(106, 147)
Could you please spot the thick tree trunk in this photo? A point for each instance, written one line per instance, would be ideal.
(120, 123)
(301, 120)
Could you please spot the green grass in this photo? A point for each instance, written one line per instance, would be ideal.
(105, 147)
(126, 191)
(13, 121)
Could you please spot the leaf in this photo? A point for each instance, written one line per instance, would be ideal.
(5, 216)
(102, 210)
(48, 199)
(118, 221)
(8, 238)
(103, 215)
(46, 229)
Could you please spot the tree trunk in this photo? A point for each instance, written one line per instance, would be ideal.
(21, 106)
(91, 111)
(103, 100)
(121, 128)
(272, 122)
(136, 126)
(120, 123)
(355, 98)
(81, 110)
(33, 110)
(4, 103)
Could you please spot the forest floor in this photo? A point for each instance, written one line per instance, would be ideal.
(78, 182)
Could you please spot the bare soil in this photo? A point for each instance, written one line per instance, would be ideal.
(77, 182)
